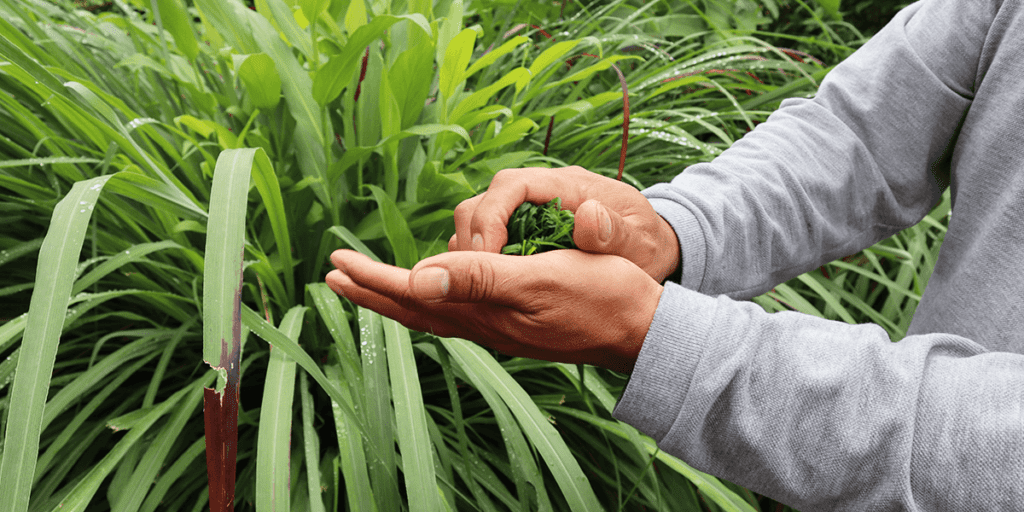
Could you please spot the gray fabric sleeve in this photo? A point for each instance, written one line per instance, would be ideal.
(824, 415)
(824, 178)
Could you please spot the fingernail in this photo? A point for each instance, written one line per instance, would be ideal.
(431, 284)
(604, 224)
(478, 242)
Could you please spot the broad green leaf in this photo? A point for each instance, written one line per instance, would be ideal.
(279, 14)
(831, 8)
(414, 71)
(456, 58)
(355, 16)
(309, 134)
(549, 56)
(483, 96)
(410, 418)
(450, 27)
(338, 71)
(261, 80)
(510, 133)
(222, 277)
(395, 228)
(311, 9)
(495, 54)
(54, 279)
(231, 20)
(273, 449)
(177, 21)
(205, 127)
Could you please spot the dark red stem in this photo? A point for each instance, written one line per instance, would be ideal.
(547, 140)
(362, 73)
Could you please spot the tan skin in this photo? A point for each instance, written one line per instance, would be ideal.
(591, 306)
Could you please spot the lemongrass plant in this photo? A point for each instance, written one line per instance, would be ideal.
(171, 190)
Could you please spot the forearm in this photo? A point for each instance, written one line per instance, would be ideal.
(824, 415)
(826, 177)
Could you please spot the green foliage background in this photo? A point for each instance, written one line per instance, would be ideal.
(174, 174)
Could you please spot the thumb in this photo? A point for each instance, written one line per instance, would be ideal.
(599, 229)
(466, 276)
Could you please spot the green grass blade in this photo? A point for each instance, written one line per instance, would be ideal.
(350, 445)
(396, 229)
(132, 254)
(270, 190)
(82, 493)
(173, 474)
(311, 443)
(379, 414)
(542, 434)
(222, 279)
(58, 257)
(138, 485)
(274, 441)
(410, 418)
(708, 485)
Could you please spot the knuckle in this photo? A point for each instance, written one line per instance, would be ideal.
(464, 208)
(481, 286)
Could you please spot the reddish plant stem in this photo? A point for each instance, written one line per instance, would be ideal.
(220, 418)
(362, 74)
(547, 140)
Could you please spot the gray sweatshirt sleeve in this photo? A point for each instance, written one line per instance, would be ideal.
(828, 416)
(824, 178)
(819, 414)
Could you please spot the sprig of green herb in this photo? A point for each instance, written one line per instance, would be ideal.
(539, 228)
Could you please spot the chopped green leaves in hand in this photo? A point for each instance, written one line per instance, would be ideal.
(539, 228)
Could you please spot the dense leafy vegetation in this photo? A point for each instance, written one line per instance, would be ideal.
(539, 228)
(174, 174)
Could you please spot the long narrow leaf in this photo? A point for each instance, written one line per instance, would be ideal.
(542, 434)
(58, 257)
(410, 417)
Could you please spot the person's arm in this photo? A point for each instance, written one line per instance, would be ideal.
(824, 415)
(823, 178)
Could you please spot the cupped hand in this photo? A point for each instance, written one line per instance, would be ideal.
(566, 306)
(611, 217)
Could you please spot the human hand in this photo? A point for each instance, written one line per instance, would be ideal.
(611, 217)
(567, 305)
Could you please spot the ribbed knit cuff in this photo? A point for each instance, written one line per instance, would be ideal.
(692, 246)
(668, 358)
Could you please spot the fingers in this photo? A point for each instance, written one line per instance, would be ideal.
(471, 277)
(384, 289)
(480, 221)
(599, 229)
